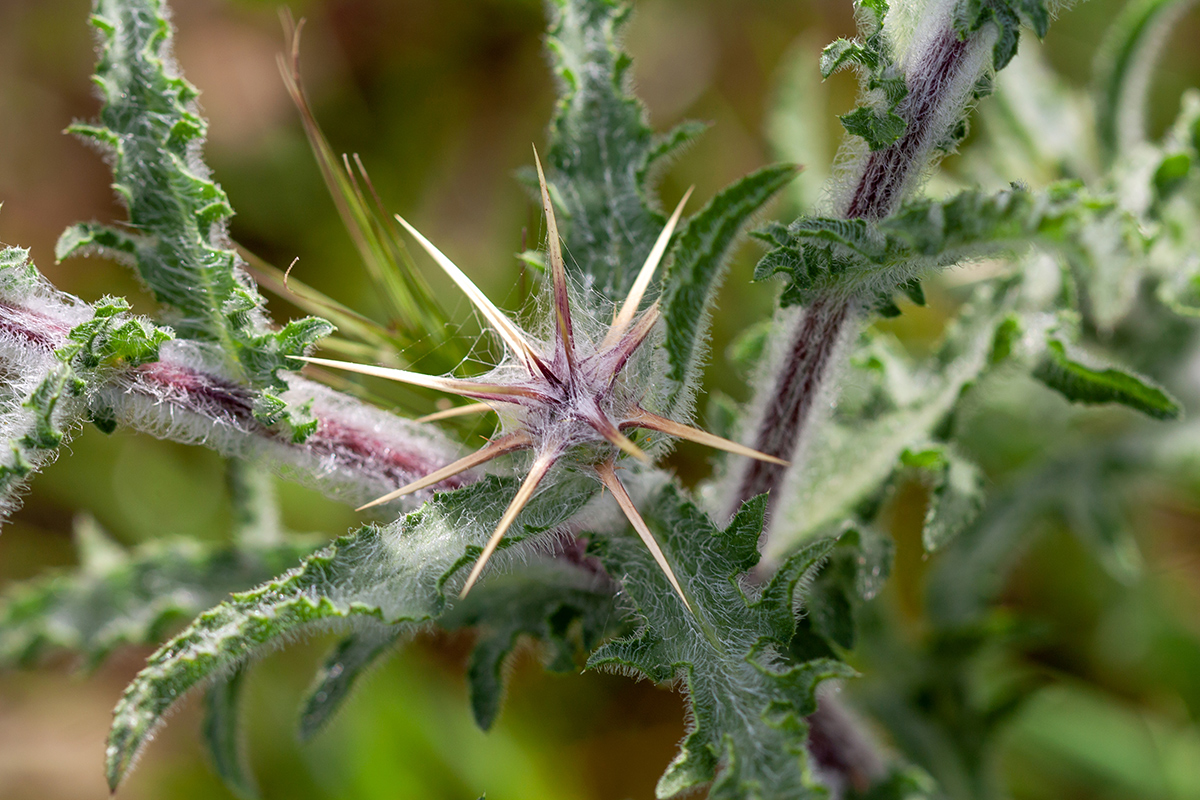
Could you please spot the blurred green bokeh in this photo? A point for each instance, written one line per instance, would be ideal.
(442, 100)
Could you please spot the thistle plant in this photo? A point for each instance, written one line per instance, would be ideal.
(760, 591)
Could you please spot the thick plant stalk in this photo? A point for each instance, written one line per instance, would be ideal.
(356, 451)
(942, 68)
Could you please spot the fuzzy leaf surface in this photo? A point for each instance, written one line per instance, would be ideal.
(747, 701)
(699, 263)
(118, 597)
(820, 255)
(394, 575)
(150, 128)
(856, 453)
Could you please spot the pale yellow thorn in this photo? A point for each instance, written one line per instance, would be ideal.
(642, 283)
(456, 411)
(449, 385)
(504, 327)
(558, 270)
(540, 467)
(644, 419)
(505, 444)
(608, 476)
(615, 437)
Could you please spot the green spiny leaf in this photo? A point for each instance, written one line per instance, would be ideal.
(747, 701)
(699, 260)
(118, 598)
(819, 255)
(150, 127)
(546, 602)
(390, 575)
(601, 146)
(1080, 383)
(337, 677)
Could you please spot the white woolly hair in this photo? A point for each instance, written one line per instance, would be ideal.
(164, 412)
(29, 302)
(916, 31)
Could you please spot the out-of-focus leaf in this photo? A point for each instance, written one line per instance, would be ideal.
(1081, 383)
(394, 576)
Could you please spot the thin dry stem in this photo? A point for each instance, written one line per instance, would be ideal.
(456, 411)
(484, 391)
(504, 327)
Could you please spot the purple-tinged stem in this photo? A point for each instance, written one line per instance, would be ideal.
(845, 753)
(887, 175)
(356, 453)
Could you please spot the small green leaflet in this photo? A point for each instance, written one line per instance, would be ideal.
(1080, 383)
(819, 255)
(222, 734)
(748, 701)
(112, 337)
(970, 16)
(877, 123)
(567, 611)
(341, 671)
(857, 569)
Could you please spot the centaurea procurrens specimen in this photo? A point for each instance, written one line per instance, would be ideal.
(566, 395)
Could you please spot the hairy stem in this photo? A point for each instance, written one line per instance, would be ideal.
(356, 453)
(939, 79)
(934, 102)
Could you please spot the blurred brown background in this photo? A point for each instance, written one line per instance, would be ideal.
(442, 101)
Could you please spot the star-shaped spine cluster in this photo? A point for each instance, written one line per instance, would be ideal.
(564, 396)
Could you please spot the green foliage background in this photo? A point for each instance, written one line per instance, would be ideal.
(441, 100)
